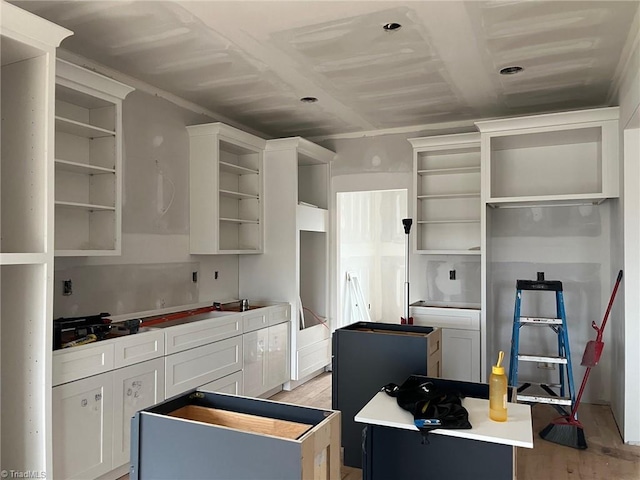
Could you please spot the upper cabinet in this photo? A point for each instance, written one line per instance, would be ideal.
(225, 185)
(553, 158)
(88, 162)
(446, 182)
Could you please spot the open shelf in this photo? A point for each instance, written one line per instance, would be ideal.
(236, 169)
(563, 156)
(84, 206)
(448, 171)
(226, 205)
(88, 161)
(447, 194)
(83, 168)
(80, 129)
(237, 195)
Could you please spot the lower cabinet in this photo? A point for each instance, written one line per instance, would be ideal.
(92, 418)
(82, 428)
(266, 359)
(460, 354)
(196, 367)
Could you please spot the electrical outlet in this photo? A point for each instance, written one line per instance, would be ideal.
(67, 288)
(194, 277)
(452, 274)
(215, 275)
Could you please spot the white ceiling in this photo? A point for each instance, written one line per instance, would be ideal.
(251, 62)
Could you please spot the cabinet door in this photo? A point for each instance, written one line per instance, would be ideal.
(278, 355)
(82, 426)
(255, 346)
(461, 355)
(134, 388)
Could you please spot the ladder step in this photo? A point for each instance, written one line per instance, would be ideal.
(544, 399)
(541, 358)
(538, 384)
(541, 321)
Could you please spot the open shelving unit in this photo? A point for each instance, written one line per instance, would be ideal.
(562, 161)
(27, 80)
(88, 162)
(554, 158)
(297, 174)
(447, 194)
(226, 205)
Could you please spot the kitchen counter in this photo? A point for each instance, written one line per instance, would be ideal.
(394, 448)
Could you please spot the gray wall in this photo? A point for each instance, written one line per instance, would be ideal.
(155, 268)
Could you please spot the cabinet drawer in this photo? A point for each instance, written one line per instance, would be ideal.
(313, 357)
(460, 318)
(196, 334)
(279, 314)
(230, 384)
(195, 367)
(255, 320)
(81, 362)
(139, 348)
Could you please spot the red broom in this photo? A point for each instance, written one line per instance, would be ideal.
(567, 429)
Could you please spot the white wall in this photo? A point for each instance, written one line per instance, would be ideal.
(626, 315)
(155, 268)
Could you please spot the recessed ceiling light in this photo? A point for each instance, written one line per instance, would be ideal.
(308, 99)
(391, 27)
(511, 70)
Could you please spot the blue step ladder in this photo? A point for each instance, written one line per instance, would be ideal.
(566, 395)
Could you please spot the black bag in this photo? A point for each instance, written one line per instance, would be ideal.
(432, 407)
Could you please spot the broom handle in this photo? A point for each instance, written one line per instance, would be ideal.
(574, 410)
(606, 315)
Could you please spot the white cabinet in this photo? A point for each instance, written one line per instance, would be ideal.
(266, 359)
(254, 347)
(134, 388)
(277, 356)
(461, 359)
(461, 354)
(82, 428)
(222, 325)
(225, 190)
(27, 83)
(446, 182)
(199, 366)
(296, 176)
(88, 162)
(559, 157)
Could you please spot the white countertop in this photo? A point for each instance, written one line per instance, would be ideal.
(517, 430)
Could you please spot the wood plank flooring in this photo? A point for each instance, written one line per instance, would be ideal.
(607, 458)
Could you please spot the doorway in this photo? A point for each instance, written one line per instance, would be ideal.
(371, 255)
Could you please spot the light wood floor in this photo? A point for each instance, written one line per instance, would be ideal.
(607, 458)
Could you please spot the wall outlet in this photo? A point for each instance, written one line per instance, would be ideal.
(194, 277)
(215, 275)
(452, 274)
(67, 288)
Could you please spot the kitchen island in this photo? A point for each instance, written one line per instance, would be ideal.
(393, 445)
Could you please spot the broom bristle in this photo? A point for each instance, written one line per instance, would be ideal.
(565, 434)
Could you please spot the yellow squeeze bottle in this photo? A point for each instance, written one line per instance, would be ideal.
(498, 392)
